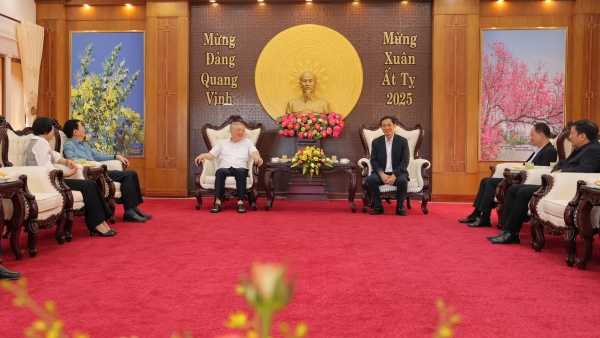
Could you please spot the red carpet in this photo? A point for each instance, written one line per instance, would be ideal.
(357, 275)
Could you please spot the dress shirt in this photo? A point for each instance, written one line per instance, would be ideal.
(74, 149)
(537, 150)
(232, 154)
(388, 153)
(43, 154)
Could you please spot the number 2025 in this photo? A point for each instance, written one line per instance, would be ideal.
(399, 99)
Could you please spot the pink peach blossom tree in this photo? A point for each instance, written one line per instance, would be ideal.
(514, 98)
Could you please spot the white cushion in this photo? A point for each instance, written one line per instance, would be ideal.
(77, 200)
(412, 184)
(229, 182)
(117, 189)
(17, 148)
(556, 207)
(48, 204)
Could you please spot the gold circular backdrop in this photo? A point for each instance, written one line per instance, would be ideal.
(316, 48)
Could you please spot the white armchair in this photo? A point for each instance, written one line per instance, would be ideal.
(205, 176)
(51, 200)
(417, 167)
(549, 208)
(46, 205)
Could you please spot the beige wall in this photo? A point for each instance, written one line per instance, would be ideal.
(18, 9)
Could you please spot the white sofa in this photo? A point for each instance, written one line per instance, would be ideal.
(417, 167)
(549, 208)
(205, 176)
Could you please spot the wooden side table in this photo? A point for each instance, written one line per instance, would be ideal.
(349, 168)
(588, 196)
(14, 191)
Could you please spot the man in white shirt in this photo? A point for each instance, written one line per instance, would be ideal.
(234, 154)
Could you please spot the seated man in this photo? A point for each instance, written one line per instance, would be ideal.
(545, 153)
(76, 147)
(39, 153)
(6, 274)
(234, 154)
(584, 159)
(389, 159)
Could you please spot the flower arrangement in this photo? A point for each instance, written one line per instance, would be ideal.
(310, 126)
(311, 159)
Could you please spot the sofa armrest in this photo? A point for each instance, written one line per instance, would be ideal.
(39, 179)
(114, 165)
(564, 185)
(417, 168)
(534, 176)
(206, 168)
(365, 165)
(77, 176)
(498, 169)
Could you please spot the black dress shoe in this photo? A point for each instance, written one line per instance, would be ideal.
(6, 274)
(467, 220)
(400, 211)
(216, 208)
(507, 238)
(501, 233)
(478, 223)
(377, 211)
(133, 217)
(141, 214)
(241, 209)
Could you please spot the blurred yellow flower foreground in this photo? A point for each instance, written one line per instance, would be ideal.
(267, 290)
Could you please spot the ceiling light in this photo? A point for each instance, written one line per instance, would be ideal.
(86, 5)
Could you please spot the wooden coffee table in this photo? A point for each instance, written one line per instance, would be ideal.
(349, 168)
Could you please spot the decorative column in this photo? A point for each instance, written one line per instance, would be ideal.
(455, 96)
(585, 73)
(54, 89)
(167, 92)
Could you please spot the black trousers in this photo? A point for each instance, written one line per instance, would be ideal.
(240, 175)
(517, 206)
(96, 209)
(131, 195)
(486, 193)
(374, 181)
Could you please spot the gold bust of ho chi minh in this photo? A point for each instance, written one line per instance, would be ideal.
(308, 102)
(289, 56)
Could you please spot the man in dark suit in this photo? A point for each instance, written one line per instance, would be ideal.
(584, 159)
(389, 159)
(545, 153)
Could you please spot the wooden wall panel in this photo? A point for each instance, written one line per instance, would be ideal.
(53, 87)
(590, 75)
(455, 99)
(167, 51)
